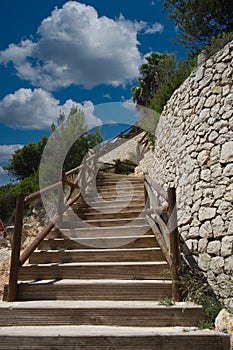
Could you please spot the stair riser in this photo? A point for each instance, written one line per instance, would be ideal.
(118, 203)
(102, 216)
(93, 292)
(44, 257)
(160, 317)
(69, 223)
(92, 256)
(93, 272)
(98, 243)
(100, 342)
(114, 210)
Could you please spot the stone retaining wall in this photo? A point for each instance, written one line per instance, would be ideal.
(194, 153)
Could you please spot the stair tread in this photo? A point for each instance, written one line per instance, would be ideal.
(91, 331)
(93, 250)
(101, 263)
(122, 282)
(112, 304)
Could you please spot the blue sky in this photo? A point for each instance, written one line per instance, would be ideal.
(55, 54)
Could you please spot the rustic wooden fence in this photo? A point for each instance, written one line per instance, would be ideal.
(78, 178)
(161, 218)
(163, 222)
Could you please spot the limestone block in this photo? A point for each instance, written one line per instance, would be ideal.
(204, 115)
(212, 136)
(210, 102)
(220, 67)
(206, 213)
(219, 191)
(216, 170)
(214, 247)
(227, 246)
(228, 171)
(207, 202)
(230, 228)
(227, 152)
(203, 157)
(206, 229)
(217, 264)
(204, 261)
(224, 322)
(218, 227)
(229, 196)
(205, 175)
(224, 207)
(194, 232)
(192, 244)
(228, 266)
(202, 245)
(199, 74)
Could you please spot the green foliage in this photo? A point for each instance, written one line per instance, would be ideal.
(153, 73)
(7, 203)
(200, 20)
(196, 289)
(168, 302)
(25, 161)
(179, 73)
(27, 185)
(75, 128)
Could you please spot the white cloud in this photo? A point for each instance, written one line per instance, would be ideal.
(6, 152)
(76, 46)
(155, 28)
(28, 109)
(2, 171)
(107, 96)
(129, 105)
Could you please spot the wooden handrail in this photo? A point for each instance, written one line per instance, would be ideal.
(39, 238)
(167, 235)
(36, 195)
(155, 186)
(73, 171)
(174, 243)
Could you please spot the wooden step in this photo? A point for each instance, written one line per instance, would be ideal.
(108, 242)
(109, 313)
(96, 215)
(93, 289)
(111, 337)
(104, 231)
(121, 270)
(70, 222)
(119, 201)
(92, 255)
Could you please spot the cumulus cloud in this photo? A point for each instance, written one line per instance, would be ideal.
(155, 28)
(37, 109)
(6, 152)
(77, 46)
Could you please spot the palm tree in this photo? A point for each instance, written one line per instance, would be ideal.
(154, 72)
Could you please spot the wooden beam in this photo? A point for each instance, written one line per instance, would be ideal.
(16, 245)
(174, 243)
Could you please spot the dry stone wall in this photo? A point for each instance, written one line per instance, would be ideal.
(194, 153)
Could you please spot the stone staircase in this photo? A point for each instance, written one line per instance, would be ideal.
(102, 282)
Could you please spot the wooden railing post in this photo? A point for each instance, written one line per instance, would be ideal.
(61, 197)
(174, 243)
(16, 245)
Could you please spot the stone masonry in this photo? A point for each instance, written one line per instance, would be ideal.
(194, 153)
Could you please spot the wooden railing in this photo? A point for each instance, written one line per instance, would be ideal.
(118, 167)
(78, 178)
(163, 222)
